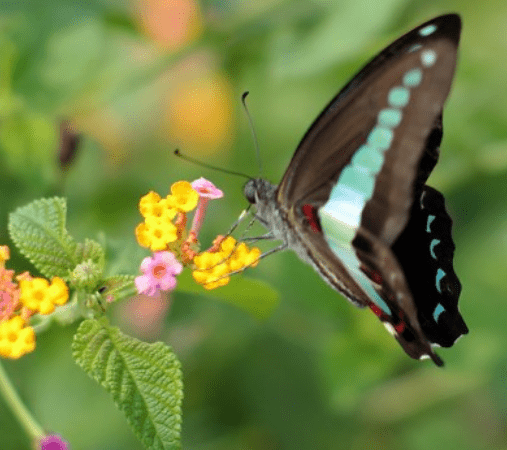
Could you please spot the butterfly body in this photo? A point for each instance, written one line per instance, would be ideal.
(354, 204)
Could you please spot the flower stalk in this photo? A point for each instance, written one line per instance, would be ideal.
(16, 405)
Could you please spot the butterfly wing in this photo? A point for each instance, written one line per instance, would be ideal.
(345, 123)
(392, 105)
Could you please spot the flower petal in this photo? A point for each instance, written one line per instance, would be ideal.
(207, 189)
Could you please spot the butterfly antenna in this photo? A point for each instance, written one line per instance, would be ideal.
(209, 166)
(252, 128)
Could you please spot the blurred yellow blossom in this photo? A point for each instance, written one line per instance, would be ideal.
(200, 114)
(16, 339)
(40, 296)
(4, 254)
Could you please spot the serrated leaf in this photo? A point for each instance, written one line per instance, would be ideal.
(119, 287)
(143, 379)
(90, 250)
(253, 296)
(38, 230)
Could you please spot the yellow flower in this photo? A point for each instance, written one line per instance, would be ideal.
(147, 203)
(15, 338)
(161, 210)
(4, 254)
(39, 296)
(217, 283)
(242, 257)
(227, 245)
(207, 260)
(183, 196)
(142, 236)
(158, 233)
(214, 267)
(58, 291)
(212, 277)
(200, 112)
(166, 212)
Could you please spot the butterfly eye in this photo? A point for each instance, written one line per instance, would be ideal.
(249, 191)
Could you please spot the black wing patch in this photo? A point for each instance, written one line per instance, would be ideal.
(425, 250)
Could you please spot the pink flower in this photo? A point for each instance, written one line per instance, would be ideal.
(53, 442)
(207, 189)
(160, 272)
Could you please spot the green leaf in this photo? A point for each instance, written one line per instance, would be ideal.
(38, 230)
(143, 379)
(254, 296)
(119, 287)
(90, 250)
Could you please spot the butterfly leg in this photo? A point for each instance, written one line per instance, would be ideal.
(277, 249)
(269, 236)
(281, 247)
(241, 217)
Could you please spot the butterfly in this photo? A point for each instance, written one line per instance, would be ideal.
(354, 202)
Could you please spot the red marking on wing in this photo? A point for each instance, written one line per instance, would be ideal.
(376, 277)
(373, 275)
(400, 327)
(311, 214)
(378, 312)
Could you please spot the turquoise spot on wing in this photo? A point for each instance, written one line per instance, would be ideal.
(347, 255)
(428, 58)
(412, 78)
(438, 310)
(398, 97)
(428, 223)
(380, 137)
(440, 274)
(389, 117)
(414, 48)
(343, 193)
(358, 179)
(368, 158)
(341, 214)
(427, 30)
(433, 244)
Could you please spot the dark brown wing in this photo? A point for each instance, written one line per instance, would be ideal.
(345, 123)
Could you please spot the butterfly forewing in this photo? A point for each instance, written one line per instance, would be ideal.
(377, 141)
(346, 122)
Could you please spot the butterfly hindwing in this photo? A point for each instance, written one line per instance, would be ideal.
(425, 250)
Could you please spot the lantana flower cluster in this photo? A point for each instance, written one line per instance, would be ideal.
(21, 297)
(225, 257)
(164, 232)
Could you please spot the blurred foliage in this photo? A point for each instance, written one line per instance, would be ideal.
(317, 373)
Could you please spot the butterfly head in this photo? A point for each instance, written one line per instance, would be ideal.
(257, 189)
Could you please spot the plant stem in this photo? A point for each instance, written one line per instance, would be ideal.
(25, 418)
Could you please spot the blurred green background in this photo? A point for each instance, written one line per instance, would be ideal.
(138, 79)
